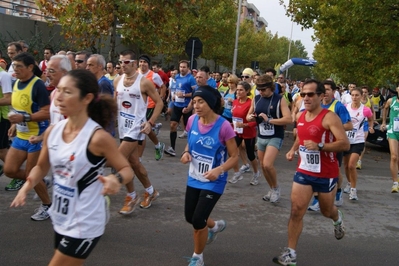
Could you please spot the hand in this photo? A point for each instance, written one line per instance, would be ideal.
(12, 132)
(383, 127)
(15, 118)
(290, 155)
(185, 158)
(146, 128)
(371, 130)
(251, 117)
(19, 200)
(311, 145)
(264, 116)
(240, 125)
(35, 139)
(186, 110)
(213, 174)
(180, 94)
(110, 183)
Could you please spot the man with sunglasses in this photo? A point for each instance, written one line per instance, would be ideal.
(81, 58)
(132, 90)
(320, 136)
(271, 114)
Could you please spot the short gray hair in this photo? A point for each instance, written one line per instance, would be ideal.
(100, 59)
(65, 64)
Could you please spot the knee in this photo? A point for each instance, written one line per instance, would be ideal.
(327, 212)
(394, 157)
(198, 223)
(267, 166)
(9, 170)
(351, 167)
(297, 213)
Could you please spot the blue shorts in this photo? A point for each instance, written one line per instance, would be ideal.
(366, 126)
(323, 185)
(263, 143)
(25, 145)
(171, 104)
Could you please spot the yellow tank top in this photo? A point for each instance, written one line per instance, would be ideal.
(21, 101)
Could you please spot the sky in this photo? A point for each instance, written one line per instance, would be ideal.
(279, 23)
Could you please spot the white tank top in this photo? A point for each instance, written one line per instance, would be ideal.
(55, 115)
(356, 135)
(132, 109)
(78, 208)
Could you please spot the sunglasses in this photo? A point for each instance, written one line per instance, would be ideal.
(79, 61)
(309, 94)
(247, 77)
(126, 61)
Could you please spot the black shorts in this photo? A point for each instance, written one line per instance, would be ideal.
(4, 127)
(340, 155)
(75, 247)
(177, 113)
(355, 148)
(127, 139)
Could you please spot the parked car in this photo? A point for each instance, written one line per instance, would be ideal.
(379, 137)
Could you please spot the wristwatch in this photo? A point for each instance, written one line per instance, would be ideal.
(27, 118)
(320, 145)
(120, 178)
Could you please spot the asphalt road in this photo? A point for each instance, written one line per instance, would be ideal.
(256, 230)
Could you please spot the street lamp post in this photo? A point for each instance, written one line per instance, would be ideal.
(289, 46)
(237, 35)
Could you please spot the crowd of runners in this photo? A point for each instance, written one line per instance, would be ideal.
(60, 118)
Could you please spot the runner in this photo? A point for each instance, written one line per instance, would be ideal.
(5, 102)
(76, 150)
(210, 140)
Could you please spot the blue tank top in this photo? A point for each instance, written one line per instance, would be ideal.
(271, 107)
(207, 152)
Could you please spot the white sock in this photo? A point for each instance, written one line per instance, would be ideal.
(292, 252)
(395, 183)
(132, 194)
(339, 219)
(353, 189)
(158, 146)
(198, 256)
(140, 159)
(215, 228)
(150, 190)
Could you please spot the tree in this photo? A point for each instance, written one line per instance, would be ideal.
(357, 39)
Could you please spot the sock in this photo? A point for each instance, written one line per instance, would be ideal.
(215, 228)
(339, 219)
(150, 190)
(158, 146)
(173, 136)
(47, 205)
(339, 190)
(353, 189)
(292, 252)
(198, 256)
(132, 194)
(395, 183)
(140, 159)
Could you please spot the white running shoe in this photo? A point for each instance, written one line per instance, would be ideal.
(255, 179)
(236, 177)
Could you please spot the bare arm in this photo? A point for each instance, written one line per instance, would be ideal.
(6, 100)
(116, 82)
(333, 123)
(385, 112)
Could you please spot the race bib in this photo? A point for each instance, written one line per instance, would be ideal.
(396, 124)
(310, 160)
(266, 129)
(63, 204)
(126, 121)
(376, 108)
(351, 135)
(199, 165)
(179, 99)
(22, 127)
(236, 120)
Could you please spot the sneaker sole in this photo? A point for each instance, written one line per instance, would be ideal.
(275, 260)
(254, 183)
(134, 207)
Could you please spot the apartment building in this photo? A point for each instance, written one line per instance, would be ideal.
(250, 12)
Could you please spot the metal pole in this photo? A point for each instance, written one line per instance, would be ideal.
(192, 56)
(237, 35)
(289, 47)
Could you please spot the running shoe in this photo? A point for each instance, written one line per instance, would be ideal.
(148, 199)
(179, 128)
(267, 196)
(196, 261)
(275, 196)
(183, 135)
(255, 179)
(129, 205)
(213, 235)
(156, 128)
(286, 258)
(395, 188)
(15, 185)
(159, 151)
(353, 194)
(359, 164)
(245, 168)
(314, 206)
(347, 189)
(236, 177)
(339, 229)
(339, 200)
(170, 151)
(41, 213)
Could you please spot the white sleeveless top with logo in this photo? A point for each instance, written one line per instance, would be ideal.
(356, 135)
(132, 109)
(78, 207)
(55, 115)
